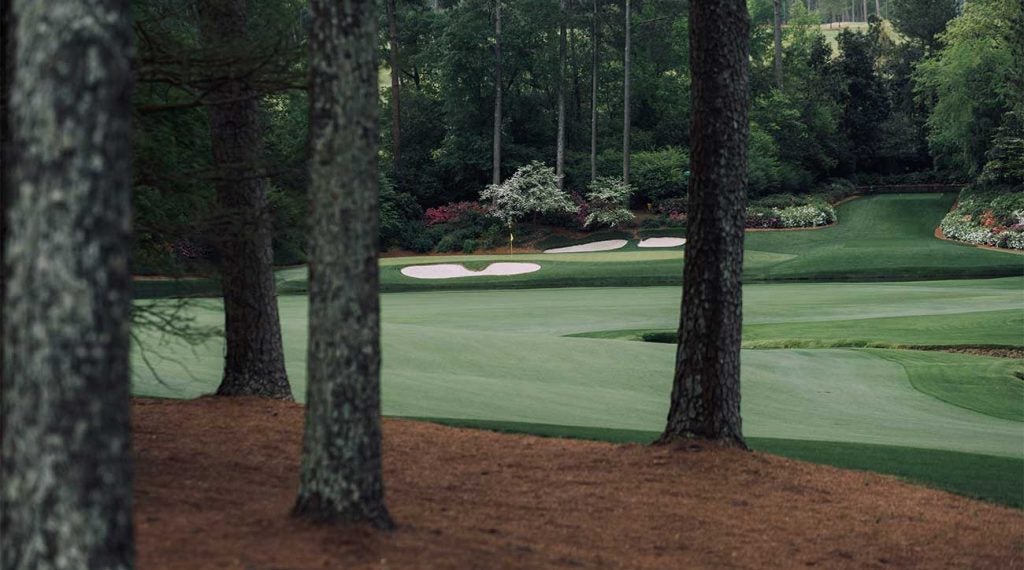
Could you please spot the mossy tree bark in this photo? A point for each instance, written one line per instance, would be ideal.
(341, 477)
(706, 390)
(66, 497)
(254, 359)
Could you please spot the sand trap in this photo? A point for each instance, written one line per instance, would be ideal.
(662, 242)
(451, 270)
(606, 245)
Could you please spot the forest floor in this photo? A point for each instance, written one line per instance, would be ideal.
(216, 478)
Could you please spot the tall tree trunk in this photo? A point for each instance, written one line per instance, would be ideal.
(627, 69)
(6, 148)
(560, 152)
(341, 477)
(496, 149)
(706, 389)
(66, 464)
(777, 30)
(396, 100)
(878, 9)
(865, 8)
(593, 96)
(254, 360)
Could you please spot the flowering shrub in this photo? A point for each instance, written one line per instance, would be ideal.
(532, 189)
(608, 200)
(453, 212)
(806, 216)
(987, 216)
(963, 227)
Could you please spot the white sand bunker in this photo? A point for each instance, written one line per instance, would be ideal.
(606, 245)
(451, 270)
(662, 242)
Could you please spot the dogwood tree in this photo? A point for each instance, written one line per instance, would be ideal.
(608, 199)
(533, 189)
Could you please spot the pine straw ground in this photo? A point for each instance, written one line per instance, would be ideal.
(216, 478)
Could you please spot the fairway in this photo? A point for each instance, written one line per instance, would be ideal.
(504, 356)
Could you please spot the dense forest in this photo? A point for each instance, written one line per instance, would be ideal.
(931, 93)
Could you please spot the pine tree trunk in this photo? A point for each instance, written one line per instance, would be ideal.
(627, 69)
(560, 152)
(878, 9)
(66, 470)
(396, 94)
(254, 359)
(496, 152)
(341, 477)
(593, 97)
(706, 390)
(6, 149)
(777, 31)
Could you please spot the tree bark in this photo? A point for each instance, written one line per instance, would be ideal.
(625, 97)
(254, 360)
(6, 149)
(878, 9)
(66, 470)
(865, 8)
(593, 96)
(341, 477)
(706, 390)
(560, 152)
(777, 31)
(496, 151)
(396, 88)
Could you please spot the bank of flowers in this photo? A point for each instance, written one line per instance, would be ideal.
(985, 229)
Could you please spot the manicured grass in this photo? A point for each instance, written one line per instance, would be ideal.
(500, 355)
(878, 238)
(995, 479)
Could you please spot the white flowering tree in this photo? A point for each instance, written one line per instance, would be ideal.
(533, 189)
(608, 201)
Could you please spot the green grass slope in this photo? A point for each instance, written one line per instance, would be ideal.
(500, 355)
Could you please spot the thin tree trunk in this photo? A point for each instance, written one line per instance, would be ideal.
(496, 149)
(341, 477)
(625, 98)
(865, 7)
(778, 43)
(560, 152)
(878, 9)
(593, 96)
(396, 100)
(254, 359)
(706, 389)
(66, 469)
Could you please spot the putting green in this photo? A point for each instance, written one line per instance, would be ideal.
(502, 356)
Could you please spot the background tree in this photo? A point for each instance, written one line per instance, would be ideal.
(626, 114)
(923, 20)
(496, 148)
(341, 478)
(396, 87)
(706, 388)
(560, 152)
(593, 95)
(66, 469)
(777, 36)
(973, 81)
